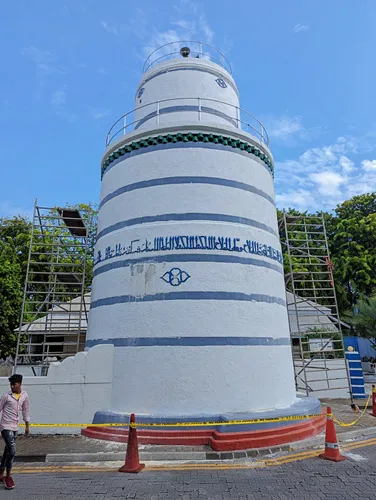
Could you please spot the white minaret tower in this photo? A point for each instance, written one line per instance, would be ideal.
(188, 279)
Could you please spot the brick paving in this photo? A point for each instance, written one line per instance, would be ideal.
(315, 479)
(38, 445)
(42, 445)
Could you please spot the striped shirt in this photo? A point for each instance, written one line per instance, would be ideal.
(11, 408)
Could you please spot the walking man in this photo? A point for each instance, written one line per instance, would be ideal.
(11, 404)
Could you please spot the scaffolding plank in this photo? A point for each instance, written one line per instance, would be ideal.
(72, 218)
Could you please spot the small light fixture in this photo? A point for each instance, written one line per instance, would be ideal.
(185, 51)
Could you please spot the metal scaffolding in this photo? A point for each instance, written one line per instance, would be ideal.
(54, 310)
(316, 334)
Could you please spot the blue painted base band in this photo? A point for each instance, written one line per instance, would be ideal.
(302, 406)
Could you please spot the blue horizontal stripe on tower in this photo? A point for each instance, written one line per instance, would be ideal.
(190, 341)
(186, 217)
(185, 145)
(166, 181)
(190, 295)
(193, 108)
(188, 68)
(223, 259)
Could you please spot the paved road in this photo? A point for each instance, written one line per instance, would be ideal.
(300, 480)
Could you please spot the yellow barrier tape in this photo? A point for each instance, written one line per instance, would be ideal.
(229, 422)
(349, 424)
(212, 423)
(188, 424)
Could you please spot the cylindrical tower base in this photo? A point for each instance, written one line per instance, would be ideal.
(188, 279)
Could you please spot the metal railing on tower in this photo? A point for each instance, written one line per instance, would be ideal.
(54, 311)
(195, 109)
(315, 326)
(186, 49)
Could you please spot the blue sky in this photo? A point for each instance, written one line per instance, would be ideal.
(306, 68)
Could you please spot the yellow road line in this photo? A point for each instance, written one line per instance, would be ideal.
(271, 461)
(357, 444)
(60, 471)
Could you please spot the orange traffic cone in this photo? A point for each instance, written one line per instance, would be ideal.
(132, 462)
(331, 443)
(373, 401)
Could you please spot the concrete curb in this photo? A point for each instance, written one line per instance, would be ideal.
(192, 455)
(344, 437)
(156, 456)
(120, 457)
(365, 432)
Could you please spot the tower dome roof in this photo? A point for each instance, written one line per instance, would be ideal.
(186, 49)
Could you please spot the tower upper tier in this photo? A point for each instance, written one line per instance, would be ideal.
(185, 83)
(186, 49)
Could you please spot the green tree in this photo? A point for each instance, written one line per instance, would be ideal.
(363, 319)
(352, 241)
(14, 249)
(10, 296)
(17, 230)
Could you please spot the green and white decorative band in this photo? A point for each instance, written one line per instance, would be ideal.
(189, 137)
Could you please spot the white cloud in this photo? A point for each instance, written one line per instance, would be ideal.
(98, 113)
(186, 6)
(328, 182)
(361, 187)
(369, 165)
(45, 62)
(299, 199)
(39, 56)
(287, 130)
(98, 116)
(58, 99)
(323, 156)
(189, 22)
(300, 28)
(322, 177)
(284, 127)
(206, 29)
(189, 28)
(346, 164)
(58, 103)
(139, 25)
(109, 28)
(185, 25)
(160, 39)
